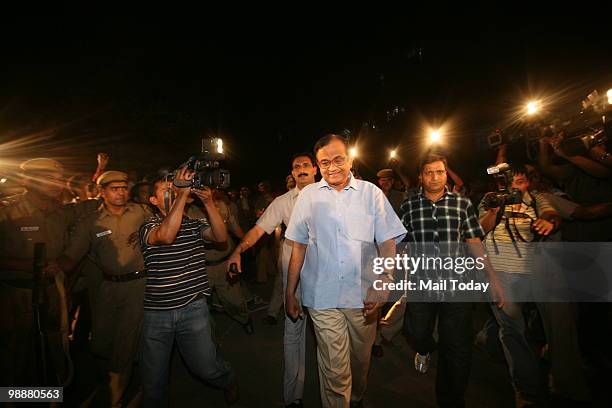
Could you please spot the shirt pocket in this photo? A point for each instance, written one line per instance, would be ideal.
(360, 226)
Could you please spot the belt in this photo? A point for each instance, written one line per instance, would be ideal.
(126, 277)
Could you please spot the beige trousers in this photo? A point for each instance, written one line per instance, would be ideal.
(344, 348)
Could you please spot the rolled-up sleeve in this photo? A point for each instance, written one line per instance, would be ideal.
(387, 224)
(297, 230)
(471, 225)
(272, 217)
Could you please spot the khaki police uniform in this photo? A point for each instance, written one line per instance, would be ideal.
(87, 273)
(108, 240)
(29, 219)
(231, 296)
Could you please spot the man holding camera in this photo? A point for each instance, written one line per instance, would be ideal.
(174, 302)
(512, 221)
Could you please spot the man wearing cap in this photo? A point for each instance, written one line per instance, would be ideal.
(109, 237)
(37, 216)
(386, 177)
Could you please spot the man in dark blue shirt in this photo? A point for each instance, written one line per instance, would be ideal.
(175, 309)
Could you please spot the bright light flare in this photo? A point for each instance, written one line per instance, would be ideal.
(393, 154)
(532, 108)
(609, 95)
(353, 152)
(435, 136)
(219, 145)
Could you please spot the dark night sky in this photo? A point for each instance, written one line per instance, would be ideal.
(147, 93)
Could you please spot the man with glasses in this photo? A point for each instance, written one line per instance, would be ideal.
(303, 170)
(331, 221)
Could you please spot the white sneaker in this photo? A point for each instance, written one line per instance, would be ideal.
(421, 362)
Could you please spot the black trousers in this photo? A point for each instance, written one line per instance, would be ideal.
(454, 345)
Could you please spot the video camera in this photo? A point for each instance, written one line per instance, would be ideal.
(206, 167)
(505, 195)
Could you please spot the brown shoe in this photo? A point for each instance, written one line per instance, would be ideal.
(231, 393)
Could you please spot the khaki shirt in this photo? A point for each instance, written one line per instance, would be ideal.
(26, 221)
(111, 240)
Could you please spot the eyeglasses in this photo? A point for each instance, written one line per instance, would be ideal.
(430, 173)
(337, 161)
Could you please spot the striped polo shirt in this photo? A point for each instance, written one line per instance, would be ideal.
(176, 273)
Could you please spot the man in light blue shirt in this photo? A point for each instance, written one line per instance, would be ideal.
(331, 222)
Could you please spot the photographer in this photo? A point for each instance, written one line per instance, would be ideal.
(511, 225)
(175, 309)
(583, 186)
(587, 165)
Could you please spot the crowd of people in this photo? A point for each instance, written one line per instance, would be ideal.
(129, 268)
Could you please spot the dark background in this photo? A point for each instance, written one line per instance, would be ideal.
(147, 92)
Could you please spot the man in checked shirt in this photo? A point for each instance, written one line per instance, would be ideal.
(437, 217)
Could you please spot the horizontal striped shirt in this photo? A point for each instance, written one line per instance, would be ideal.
(176, 273)
(509, 244)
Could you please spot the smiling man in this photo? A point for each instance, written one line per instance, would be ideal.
(331, 221)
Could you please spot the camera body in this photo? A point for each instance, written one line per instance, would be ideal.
(206, 167)
(207, 173)
(505, 195)
(580, 144)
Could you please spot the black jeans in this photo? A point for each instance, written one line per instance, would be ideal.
(454, 345)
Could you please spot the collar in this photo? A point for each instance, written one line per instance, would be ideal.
(527, 198)
(105, 213)
(353, 183)
(424, 197)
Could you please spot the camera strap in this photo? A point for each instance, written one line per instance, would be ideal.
(167, 199)
(498, 218)
(516, 248)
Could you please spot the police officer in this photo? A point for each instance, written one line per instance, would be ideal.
(36, 216)
(109, 237)
(386, 178)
